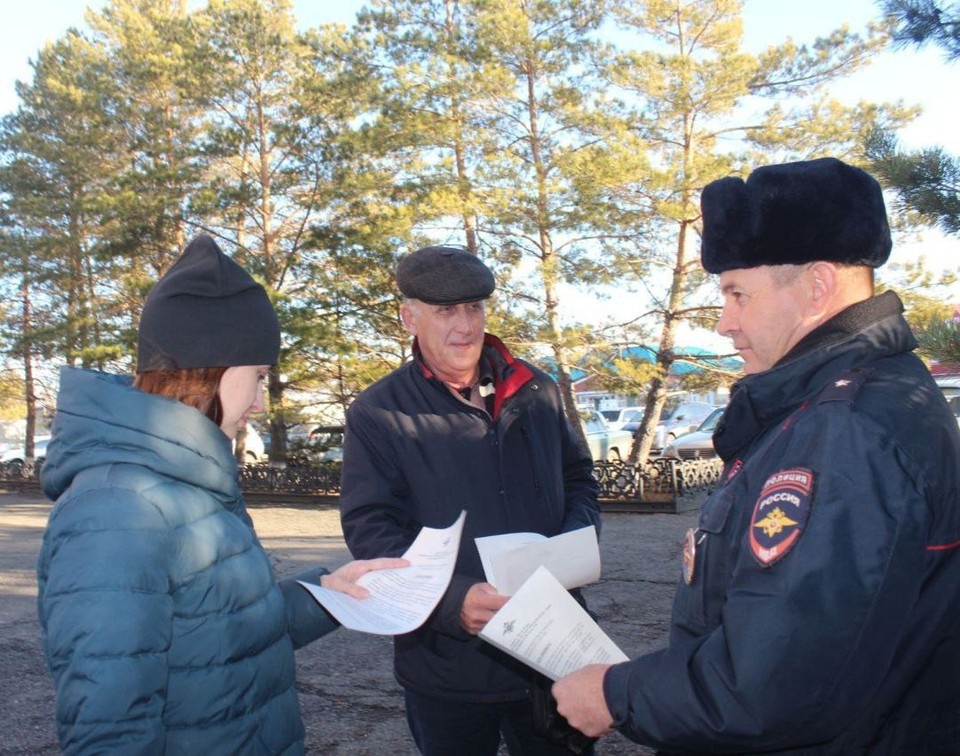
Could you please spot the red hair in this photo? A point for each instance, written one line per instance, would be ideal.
(196, 387)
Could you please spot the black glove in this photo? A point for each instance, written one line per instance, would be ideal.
(547, 721)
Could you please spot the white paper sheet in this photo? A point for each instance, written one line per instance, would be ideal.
(509, 559)
(400, 599)
(544, 627)
(490, 547)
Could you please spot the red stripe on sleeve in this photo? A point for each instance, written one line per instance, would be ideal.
(943, 546)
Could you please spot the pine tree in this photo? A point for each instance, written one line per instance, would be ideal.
(265, 182)
(540, 52)
(927, 181)
(920, 22)
(54, 176)
(690, 106)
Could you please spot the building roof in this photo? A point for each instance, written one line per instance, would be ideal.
(688, 360)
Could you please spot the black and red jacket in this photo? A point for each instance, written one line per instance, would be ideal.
(415, 456)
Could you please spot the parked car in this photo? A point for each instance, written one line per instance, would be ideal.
(17, 455)
(254, 448)
(326, 443)
(950, 386)
(697, 444)
(605, 443)
(307, 443)
(684, 418)
(618, 418)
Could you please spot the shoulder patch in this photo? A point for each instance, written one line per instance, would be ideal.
(780, 514)
(845, 388)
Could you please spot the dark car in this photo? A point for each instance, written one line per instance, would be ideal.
(326, 443)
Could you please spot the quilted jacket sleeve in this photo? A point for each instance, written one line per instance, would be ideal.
(306, 619)
(105, 614)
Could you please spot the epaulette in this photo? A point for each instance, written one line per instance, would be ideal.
(844, 388)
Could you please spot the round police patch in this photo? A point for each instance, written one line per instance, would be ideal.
(780, 514)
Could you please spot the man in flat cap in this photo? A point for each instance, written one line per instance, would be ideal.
(463, 426)
(819, 606)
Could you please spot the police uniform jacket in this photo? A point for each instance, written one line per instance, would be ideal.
(821, 603)
(162, 623)
(415, 456)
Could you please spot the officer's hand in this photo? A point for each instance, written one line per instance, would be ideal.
(479, 605)
(344, 579)
(580, 700)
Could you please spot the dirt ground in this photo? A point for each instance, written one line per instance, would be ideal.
(350, 701)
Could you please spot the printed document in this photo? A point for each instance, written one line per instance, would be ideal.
(400, 599)
(509, 559)
(544, 627)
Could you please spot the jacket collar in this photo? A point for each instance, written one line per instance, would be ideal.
(102, 419)
(509, 374)
(861, 334)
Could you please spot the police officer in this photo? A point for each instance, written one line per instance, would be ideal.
(819, 610)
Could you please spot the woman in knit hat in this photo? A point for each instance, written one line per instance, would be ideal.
(163, 625)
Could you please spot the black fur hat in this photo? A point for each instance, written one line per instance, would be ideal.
(206, 311)
(792, 214)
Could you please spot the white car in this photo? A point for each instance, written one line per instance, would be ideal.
(17, 455)
(684, 418)
(253, 447)
(606, 444)
(950, 386)
(617, 418)
(697, 444)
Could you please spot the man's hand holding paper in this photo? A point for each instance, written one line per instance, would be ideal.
(581, 702)
(479, 605)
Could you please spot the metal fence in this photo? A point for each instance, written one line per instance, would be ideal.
(660, 485)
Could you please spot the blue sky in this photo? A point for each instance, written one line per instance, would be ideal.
(916, 77)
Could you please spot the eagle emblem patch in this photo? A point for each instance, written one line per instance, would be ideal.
(780, 514)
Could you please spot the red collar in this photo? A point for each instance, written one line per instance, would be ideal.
(509, 375)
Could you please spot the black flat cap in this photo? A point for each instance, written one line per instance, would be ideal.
(792, 214)
(444, 275)
(206, 311)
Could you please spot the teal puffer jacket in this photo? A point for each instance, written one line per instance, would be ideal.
(163, 625)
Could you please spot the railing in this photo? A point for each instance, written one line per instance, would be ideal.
(668, 485)
(660, 485)
(318, 481)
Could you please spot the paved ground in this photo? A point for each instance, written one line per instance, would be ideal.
(351, 703)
